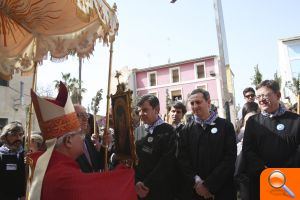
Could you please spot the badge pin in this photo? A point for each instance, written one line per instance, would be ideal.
(280, 127)
(147, 149)
(150, 139)
(214, 130)
(11, 167)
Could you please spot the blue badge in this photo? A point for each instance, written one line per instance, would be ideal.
(280, 127)
(214, 130)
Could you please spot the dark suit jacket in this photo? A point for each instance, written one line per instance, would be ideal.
(97, 158)
(156, 162)
(209, 153)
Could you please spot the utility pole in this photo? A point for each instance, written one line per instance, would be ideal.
(223, 53)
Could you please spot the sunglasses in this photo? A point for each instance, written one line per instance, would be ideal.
(250, 95)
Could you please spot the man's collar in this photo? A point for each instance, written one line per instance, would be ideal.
(209, 121)
(280, 111)
(150, 128)
(5, 149)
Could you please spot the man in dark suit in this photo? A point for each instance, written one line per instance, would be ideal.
(155, 172)
(12, 167)
(207, 152)
(92, 160)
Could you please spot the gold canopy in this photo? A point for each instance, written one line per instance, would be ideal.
(29, 29)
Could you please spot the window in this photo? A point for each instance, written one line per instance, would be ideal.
(3, 83)
(200, 71)
(175, 75)
(204, 87)
(294, 56)
(176, 95)
(3, 122)
(152, 78)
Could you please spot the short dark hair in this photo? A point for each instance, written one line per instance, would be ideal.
(271, 84)
(179, 105)
(248, 108)
(153, 100)
(202, 91)
(248, 89)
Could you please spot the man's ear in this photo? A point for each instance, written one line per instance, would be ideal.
(68, 141)
(157, 109)
(278, 95)
(209, 102)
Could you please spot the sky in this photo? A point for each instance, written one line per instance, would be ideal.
(152, 32)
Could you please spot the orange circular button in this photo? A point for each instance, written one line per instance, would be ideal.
(277, 179)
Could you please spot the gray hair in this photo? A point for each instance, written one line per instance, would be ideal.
(37, 137)
(61, 140)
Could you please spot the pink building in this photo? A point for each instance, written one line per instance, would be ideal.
(179, 79)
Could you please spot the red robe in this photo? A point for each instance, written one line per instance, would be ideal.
(64, 181)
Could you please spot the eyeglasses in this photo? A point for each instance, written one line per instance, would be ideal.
(264, 96)
(83, 115)
(15, 133)
(250, 95)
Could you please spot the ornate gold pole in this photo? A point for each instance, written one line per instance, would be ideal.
(95, 130)
(107, 104)
(29, 128)
(33, 86)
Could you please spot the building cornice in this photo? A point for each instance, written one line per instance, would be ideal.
(175, 64)
(290, 39)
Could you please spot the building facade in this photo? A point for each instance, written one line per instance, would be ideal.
(176, 81)
(15, 99)
(289, 66)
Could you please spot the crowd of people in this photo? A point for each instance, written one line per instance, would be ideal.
(204, 157)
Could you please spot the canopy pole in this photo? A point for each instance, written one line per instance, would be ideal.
(33, 86)
(95, 129)
(79, 78)
(298, 105)
(107, 104)
(29, 128)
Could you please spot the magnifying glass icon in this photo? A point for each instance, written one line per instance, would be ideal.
(277, 180)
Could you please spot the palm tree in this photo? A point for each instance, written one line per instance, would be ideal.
(257, 77)
(296, 85)
(72, 85)
(96, 101)
(95, 108)
(295, 88)
(277, 78)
